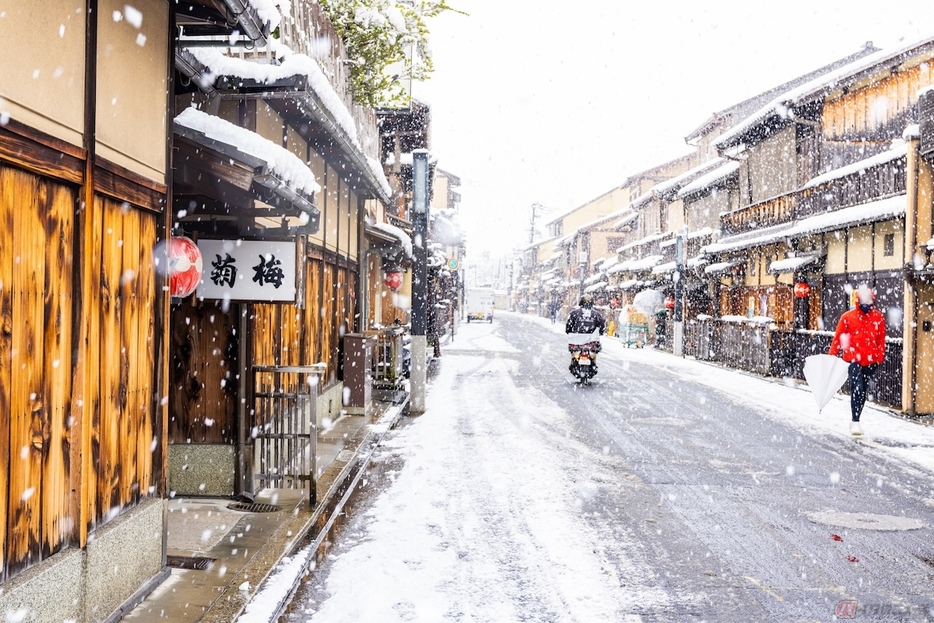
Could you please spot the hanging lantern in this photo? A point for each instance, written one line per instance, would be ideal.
(185, 266)
(393, 279)
(669, 302)
(802, 289)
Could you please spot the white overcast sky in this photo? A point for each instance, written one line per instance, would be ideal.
(541, 101)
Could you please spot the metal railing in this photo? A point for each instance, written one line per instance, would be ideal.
(775, 352)
(388, 358)
(284, 428)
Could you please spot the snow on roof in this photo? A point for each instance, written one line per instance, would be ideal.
(593, 278)
(791, 264)
(595, 287)
(268, 11)
(629, 216)
(283, 163)
(704, 182)
(646, 240)
(291, 65)
(873, 211)
(645, 263)
(379, 174)
(664, 269)
(722, 267)
(629, 284)
(395, 232)
(780, 106)
(675, 183)
(898, 151)
(613, 260)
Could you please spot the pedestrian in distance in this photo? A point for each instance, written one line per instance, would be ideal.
(860, 340)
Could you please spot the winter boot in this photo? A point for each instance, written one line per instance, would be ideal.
(855, 429)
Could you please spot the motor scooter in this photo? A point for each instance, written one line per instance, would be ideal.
(584, 359)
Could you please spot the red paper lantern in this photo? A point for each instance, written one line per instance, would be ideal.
(802, 289)
(185, 266)
(393, 280)
(670, 302)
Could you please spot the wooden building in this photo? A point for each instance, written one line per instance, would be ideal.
(121, 128)
(83, 185)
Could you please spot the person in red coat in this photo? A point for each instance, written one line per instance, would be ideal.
(860, 339)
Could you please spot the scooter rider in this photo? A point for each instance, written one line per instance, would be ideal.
(584, 321)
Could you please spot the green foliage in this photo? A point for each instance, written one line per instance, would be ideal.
(386, 40)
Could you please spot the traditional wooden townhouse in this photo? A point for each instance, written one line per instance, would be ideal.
(824, 185)
(84, 195)
(142, 138)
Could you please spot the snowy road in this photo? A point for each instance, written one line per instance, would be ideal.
(670, 491)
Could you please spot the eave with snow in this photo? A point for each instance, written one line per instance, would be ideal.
(222, 168)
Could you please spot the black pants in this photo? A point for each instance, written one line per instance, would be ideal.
(859, 386)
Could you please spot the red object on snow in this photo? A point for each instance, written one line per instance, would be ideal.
(802, 289)
(852, 558)
(836, 537)
(185, 266)
(393, 280)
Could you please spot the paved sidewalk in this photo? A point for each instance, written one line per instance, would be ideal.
(245, 547)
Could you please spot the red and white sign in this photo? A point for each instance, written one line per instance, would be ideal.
(802, 289)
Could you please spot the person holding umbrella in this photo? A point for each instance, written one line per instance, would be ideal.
(860, 339)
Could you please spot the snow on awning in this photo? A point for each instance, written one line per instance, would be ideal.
(328, 104)
(722, 267)
(708, 180)
(597, 286)
(645, 263)
(278, 172)
(594, 278)
(629, 284)
(874, 211)
(900, 151)
(626, 220)
(402, 238)
(791, 264)
(664, 269)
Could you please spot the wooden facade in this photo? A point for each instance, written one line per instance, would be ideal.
(79, 352)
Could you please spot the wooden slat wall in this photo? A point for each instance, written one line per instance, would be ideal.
(853, 113)
(311, 343)
(123, 413)
(36, 343)
(203, 404)
(7, 202)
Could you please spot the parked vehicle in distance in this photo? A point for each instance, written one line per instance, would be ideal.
(479, 304)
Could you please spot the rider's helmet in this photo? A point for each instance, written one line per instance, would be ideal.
(586, 301)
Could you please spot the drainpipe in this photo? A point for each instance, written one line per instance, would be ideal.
(910, 322)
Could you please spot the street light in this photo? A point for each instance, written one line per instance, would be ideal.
(418, 372)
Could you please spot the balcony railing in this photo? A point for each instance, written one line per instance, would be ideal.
(869, 184)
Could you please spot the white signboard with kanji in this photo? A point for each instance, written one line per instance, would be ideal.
(248, 270)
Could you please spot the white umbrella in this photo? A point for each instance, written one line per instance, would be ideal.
(825, 374)
(649, 301)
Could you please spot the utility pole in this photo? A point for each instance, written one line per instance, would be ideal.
(534, 216)
(677, 346)
(418, 371)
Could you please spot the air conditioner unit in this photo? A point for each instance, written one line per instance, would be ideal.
(926, 118)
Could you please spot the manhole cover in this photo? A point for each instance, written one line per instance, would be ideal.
(254, 508)
(865, 521)
(189, 562)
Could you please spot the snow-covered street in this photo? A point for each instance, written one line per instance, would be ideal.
(671, 490)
